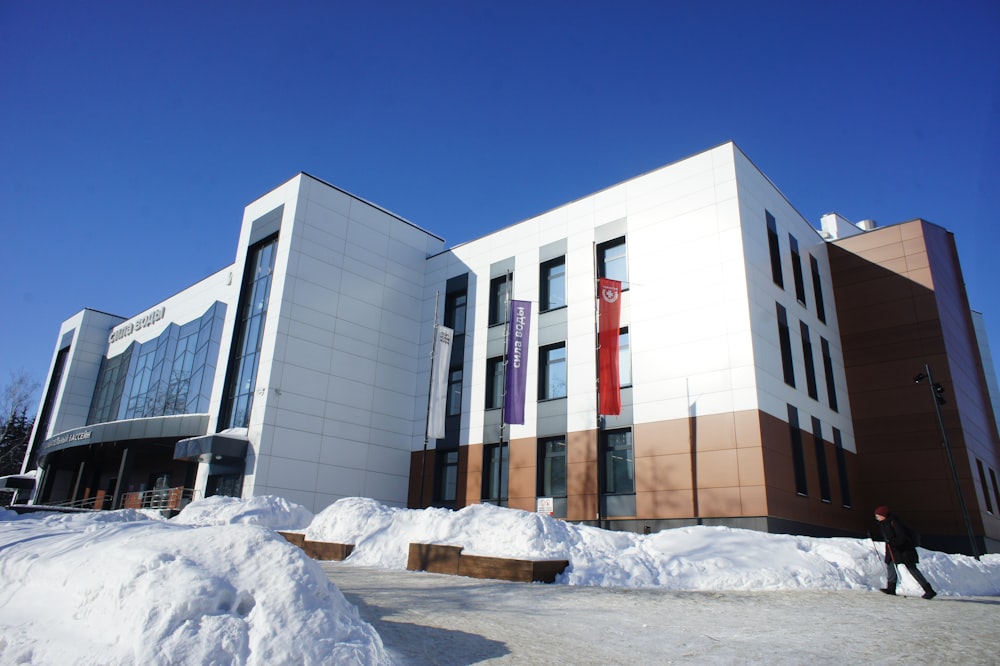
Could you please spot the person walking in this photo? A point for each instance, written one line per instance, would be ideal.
(899, 550)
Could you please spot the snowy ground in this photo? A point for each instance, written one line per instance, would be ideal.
(218, 585)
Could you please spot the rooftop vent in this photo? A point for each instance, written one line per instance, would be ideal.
(867, 225)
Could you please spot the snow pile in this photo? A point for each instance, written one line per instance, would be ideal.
(216, 584)
(121, 588)
(267, 511)
(690, 558)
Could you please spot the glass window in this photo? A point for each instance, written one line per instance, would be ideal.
(798, 455)
(831, 387)
(494, 382)
(552, 467)
(624, 359)
(455, 304)
(775, 249)
(447, 487)
(256, 291)
(499, 295)
(611, 261)
(807, 356)
(986, 488)
(800, 284)
(817, 289)
(552, 371)
(845, 488)
(785, 339)
(824, 475)
(619, 464)
(552, 283)
(996, 488)
(453, 404)
(495, 473)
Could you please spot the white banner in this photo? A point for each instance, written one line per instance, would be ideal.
(439, 382)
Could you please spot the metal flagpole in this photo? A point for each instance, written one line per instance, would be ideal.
(503, 396)
(430, 381)
(597, 377)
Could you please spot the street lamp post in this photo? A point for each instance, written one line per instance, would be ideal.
(937, 397)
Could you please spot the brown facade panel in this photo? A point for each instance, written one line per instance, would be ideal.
(719, 502)
(718, 469)
(521, 488)
(662, 438)
(664, 504)
(670, 472)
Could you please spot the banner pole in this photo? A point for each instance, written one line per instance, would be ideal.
(427, 420)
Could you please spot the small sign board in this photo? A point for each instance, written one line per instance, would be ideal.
(544, 505)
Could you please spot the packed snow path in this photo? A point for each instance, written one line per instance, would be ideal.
(450, 620)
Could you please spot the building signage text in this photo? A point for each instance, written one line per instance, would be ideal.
(137, 324)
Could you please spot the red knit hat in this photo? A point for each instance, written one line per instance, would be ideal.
(882, 511)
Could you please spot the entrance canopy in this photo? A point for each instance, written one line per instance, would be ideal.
(216, 447)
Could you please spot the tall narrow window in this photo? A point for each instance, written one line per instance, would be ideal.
(800, 283)
(996, 488)
(619, 463)
(785, 340)
(986, 488)
(495, 473)
(455, 304)
(798, 455)
(552, 371)
(611, 261)
(499, 294)
(831, 387)
(817, 289)
(254, 298)
(552, 467)
(824, 474)
(552, 284)
(624, 359)
(845, 487)
(494, 382)
(775, 249)
(453, 404)
(807, 356)
(447, 486)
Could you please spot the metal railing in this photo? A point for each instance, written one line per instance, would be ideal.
(160, 499)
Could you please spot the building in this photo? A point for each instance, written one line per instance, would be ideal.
(765, 367)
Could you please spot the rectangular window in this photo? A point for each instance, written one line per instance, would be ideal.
(254, 298)
(807, 356)
(800, 283)
(495, 473)
(552, 371)
(624, 359)
(552, 284)
(817, 289)
(798, 455)
(611, 261)
(831, 387)
(845, 487)
(494, 382)
(996, 488)
(447, 477)
(986, 488)
(453, 406)
(775, 249)
(499, 295)
(824, 474)
(619, 463)
(785, 339)
(455, 305)
(552, 467)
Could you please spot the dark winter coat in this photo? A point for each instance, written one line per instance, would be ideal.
(898, 546)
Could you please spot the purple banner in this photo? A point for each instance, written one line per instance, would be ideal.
(516, 378)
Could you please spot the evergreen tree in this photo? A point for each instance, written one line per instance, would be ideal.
(16, 431)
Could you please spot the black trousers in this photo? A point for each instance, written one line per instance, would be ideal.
(893, 576)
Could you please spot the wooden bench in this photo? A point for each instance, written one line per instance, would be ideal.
(439, 558)
(319, 550)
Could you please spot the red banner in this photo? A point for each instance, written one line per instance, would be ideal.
(608, 324)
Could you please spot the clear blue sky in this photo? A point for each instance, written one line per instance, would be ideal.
(132, 134)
